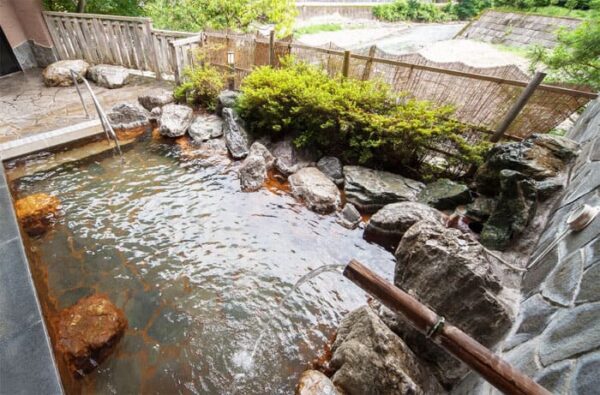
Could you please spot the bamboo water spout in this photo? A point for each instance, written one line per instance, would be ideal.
(491, 367)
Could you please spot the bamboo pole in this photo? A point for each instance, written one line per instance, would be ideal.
(518, 106)
(491, 367)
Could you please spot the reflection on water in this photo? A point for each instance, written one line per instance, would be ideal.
(198, 267)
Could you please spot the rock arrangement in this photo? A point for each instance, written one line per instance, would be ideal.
(37, 212)
(59, 73)
(88, 332)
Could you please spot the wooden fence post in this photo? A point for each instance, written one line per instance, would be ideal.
(272, 48)
(369, 63)
(346, 64)
(175, 62)
(152, 48)
(518, 106)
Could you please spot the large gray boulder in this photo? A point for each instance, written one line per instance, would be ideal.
(317, 191)
(387, 226)
(205, 127)
(175, 120)
(332, 168)
(449, 271)
(445, 194)
(369, 190)
(514, 210)
(253, 173)
(539, 157)
(59, 73)
(226, 99)
(368, 358)
(127, 116)
(109, 76)
(313, 382)
(236, 137)
(259, 149)
(156, 98)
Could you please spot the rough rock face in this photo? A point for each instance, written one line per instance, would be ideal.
(448, 271)
(369, 190)
(155, 114)
(349, 217)
(37, 212)
(332, 168)
(157, 98)
(226, 99)
(175, 120)
(313, 382)
(481, 209)
(387, 226)
(127, 116)
(288, 159)
(445, 194)
(370, 359)
(88, 331)
(513, 212)
(206, 127)
(259, 149)
(109, 76)
(538, 157)
(236, 137)
(318, 192)
(58, 73)
(253, 173)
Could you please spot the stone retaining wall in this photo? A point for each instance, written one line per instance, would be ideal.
(556, 338)
(515, 29)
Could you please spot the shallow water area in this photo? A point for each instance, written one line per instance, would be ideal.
(198, 267)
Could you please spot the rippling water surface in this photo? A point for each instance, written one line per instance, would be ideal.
(198, 266)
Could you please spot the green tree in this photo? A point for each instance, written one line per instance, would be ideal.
(114, 7)
(196, 15)
(576, 58)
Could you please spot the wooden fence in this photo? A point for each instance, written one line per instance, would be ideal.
(482, 97)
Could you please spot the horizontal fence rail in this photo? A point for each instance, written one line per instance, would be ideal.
(481, 96)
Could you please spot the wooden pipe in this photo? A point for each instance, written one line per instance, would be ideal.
(479, 358)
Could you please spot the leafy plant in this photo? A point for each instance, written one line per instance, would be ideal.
(576, 58)
(197, 15)
(202, 84)
(360, 121)
(115, 7)
(409, 10)
(466, 9)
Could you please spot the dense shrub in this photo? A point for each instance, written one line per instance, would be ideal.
(409, 10)
(466, 9)
(360, 121)
(200, 86)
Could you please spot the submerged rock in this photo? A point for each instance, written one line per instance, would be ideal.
(88, 331)
(369, 190)
(313, 382)
(318, 192)
(37, 212)
(253, 173)
(332, 168)
(513, 211)
(387, 226)
(538, 157)
(59, 73)
(236, 137)
(226, 99)
(175, 120)
(368, 358)
(109, 76)
(445, 194)
(448, 271)
(349, 217)
(206, 127)
(156, 98)
(127, 116)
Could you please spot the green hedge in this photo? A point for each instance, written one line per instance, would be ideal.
(359, 121)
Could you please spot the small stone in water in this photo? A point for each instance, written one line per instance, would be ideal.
(37, 212)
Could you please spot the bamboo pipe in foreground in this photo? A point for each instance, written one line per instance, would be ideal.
(491, 367)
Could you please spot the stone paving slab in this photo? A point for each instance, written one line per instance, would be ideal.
(28, 107)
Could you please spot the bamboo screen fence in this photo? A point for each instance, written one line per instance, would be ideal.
(481, 96)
